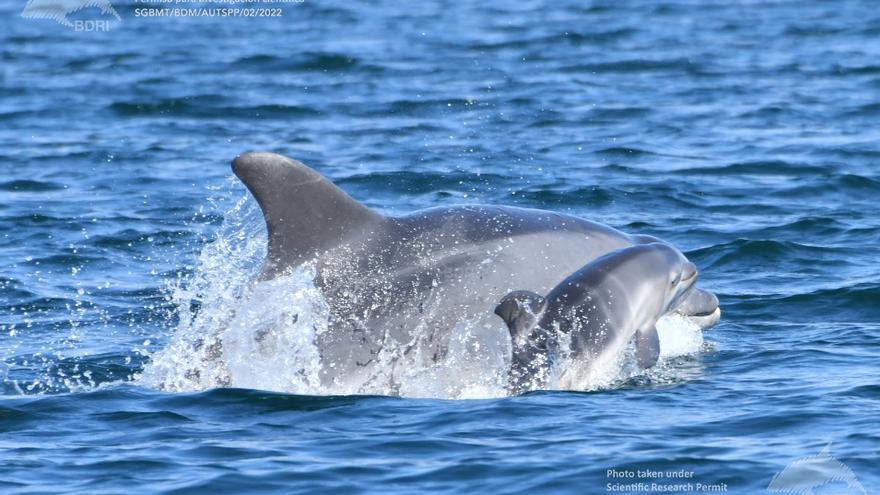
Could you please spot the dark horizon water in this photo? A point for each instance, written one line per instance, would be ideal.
(744, 133)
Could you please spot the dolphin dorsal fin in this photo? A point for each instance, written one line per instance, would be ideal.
(305, 213)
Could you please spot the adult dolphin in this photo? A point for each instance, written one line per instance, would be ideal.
(398, 286)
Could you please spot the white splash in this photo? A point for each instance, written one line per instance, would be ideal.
(270, 343)
(679, 336)
(474, 367)
(207, 301)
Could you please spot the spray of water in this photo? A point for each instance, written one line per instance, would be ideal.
(207, 302)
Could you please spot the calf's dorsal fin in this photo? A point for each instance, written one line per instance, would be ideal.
(519, 310)
(305, 213)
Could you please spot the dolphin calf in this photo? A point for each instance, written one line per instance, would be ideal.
(398, 286)
(598, 310)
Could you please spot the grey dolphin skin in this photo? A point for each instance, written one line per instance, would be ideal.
(397, 287)
(600, 308)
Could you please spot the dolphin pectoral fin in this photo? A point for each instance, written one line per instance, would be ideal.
(519, 310)
(305, 213)
(647, 347)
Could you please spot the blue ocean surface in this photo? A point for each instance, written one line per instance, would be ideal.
(744, 133)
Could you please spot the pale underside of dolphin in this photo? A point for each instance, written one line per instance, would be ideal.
(398, 286)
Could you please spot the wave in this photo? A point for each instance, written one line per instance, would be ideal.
(406, 182)
(759, 167)
(574, 196)
(219, 399)
(12, 289)
(170, 409)
(624, 152)
(861, 298)
(37, 373)
(411, 107)
(610, 114)
(634, 66)
(132, 239)
(857, 302)
(208, 106)
(30, 186)
(851, 185)
(568, 38)
(304, 62)
(867, 110)
(743, 251)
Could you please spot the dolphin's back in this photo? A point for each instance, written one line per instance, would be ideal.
(407, 282)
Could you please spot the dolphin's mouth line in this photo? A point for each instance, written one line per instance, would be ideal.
(691, 279)
(705, 313)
